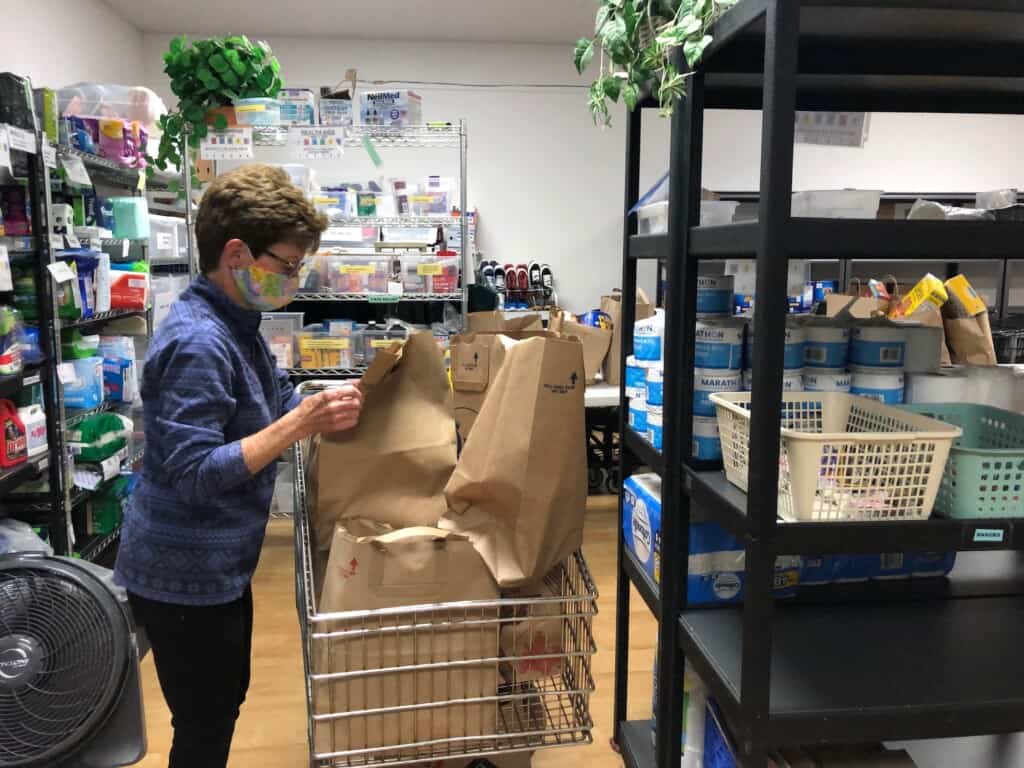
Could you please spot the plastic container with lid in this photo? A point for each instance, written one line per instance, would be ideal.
(707, 443)
(33, 417)
(878, 346)
(883, 384)
(826, 346)
(13, 442)
(655, 386)
(793, 354)
(636, 378)
(638, 415)
(715, 294)
(131, 218)
(837, 204)
(719, 344)
(257, 111)
(792, 381)
(706, 383)
(826, 380)
(374, 337)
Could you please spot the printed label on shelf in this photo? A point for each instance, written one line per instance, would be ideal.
(163, 241)
(22, 139)
(140, 185)
(75, 169)
(382, 343)
(429, 269)
(323, 200)
(383, 298)
(229, 144)
(344, 234)
(6, 282)
(395, 288)
(72, 240)
(834, 129)
(989, 535)
(66, 373)
(357, 269)
(5, 148)
(56, 242)
(125, 247)
(49, 155)
(60, 271)
(317, 142)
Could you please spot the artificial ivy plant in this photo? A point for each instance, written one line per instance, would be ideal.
(637, 40)
(205, 75)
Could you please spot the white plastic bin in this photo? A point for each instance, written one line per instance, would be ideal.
(837, 204)
(842, 457)
(163, 239)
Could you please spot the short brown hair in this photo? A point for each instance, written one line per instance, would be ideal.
(259, 205)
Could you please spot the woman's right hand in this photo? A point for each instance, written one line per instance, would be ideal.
(333, 410)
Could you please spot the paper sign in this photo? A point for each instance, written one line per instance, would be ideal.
(429, 269)
(72, 240)
(66, 373)
(75, 169)
(357, 269)
(141, 183)
(229, 144)
(5, 148)
(61, 271)
(49, 155)
(6, 283)
(317, 142)
(21, 139)
(125, 247)
(383, 298)
(395, 288)
(988, 535)
(56, 242)
(835, 129)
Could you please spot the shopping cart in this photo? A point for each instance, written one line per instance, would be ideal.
(424, 683)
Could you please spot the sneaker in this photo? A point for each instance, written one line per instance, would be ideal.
(499, 277)
(547, 280)
(511, 283)
(535, 283)
(487, 274)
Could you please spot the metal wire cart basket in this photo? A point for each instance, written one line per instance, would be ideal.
(422, 683)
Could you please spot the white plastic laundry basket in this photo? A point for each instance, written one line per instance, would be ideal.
(842, 457)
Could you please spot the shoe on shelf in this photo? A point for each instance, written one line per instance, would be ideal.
(499, 277)
(487, 274)
(547, 280)
(535, 283)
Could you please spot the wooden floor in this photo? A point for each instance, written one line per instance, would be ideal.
(272, 730)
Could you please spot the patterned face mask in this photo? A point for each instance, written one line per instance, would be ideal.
(265, 290)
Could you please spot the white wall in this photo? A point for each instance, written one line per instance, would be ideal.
(59, 42)
(548, 184)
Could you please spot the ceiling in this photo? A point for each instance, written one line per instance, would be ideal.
(511, 21)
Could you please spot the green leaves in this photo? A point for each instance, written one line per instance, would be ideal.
(220, 122)
(638, 42)
(583, 54)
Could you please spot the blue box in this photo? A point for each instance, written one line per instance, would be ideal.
(717, 559)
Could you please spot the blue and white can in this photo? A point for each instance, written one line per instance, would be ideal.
(655, 422)
(638, 415)
(636, 378)
(883, 384)
(707, 443)
(647, 338)
(826, 380)
(655, 386)
(719, 344)
(793, 355)
(826, 346)
(715, 295)
(792, 381)
(878, 346)
(706, 383)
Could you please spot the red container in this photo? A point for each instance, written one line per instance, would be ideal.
(14, 449)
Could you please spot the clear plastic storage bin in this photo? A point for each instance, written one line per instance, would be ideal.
(164, 246)
(842, 457)
(837, 204)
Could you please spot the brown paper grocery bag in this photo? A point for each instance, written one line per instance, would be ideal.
(595, 340)
(533, 638)
(494, 321)
(520, 494)
(394, 465)
(421, 566)
(476, 359)
(612, 306)
(970, 340)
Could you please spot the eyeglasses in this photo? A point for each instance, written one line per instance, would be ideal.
(291, 268)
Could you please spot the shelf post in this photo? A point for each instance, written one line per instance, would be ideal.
(780, 70)
(467, 257)
(627, 316)
(684, 211)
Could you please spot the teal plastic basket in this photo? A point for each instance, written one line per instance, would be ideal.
(984, 476)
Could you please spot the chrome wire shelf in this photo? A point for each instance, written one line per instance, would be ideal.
(75, 416)
(121, 175)
(405, 222)
(382, 298)
(97, 546)
(326, 373)
(410, 136)
(18, 244)
(101, 317)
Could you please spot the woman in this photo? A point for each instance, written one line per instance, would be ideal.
(218, 413)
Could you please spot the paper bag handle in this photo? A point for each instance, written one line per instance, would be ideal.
(385, 578)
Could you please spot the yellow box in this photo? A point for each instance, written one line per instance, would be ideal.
(928, 290)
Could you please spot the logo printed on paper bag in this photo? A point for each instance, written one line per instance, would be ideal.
(563, 389)
(352, 570)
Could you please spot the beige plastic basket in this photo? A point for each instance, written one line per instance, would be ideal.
(842, 457)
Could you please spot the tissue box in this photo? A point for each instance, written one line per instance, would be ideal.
(335, 112)
(86, 390)
(391, 108)
(717, 559)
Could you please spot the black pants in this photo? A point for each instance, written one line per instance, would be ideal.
(203, 659)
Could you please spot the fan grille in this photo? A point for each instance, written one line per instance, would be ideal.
(65, 687)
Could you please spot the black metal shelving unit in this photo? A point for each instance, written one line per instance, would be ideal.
(880, 662)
